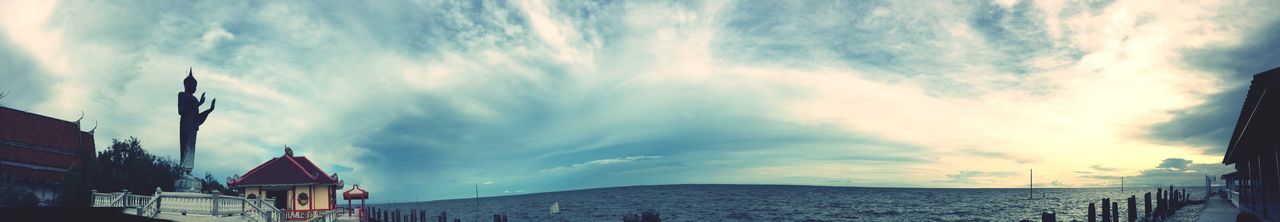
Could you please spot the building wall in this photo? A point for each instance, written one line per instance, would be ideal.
(321, 197)
(292, 205)
(297, 191)
(252, 190)
(39, 150)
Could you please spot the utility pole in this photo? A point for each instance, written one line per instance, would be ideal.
(477, 202)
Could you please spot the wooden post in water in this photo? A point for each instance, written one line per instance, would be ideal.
(1032, 184)
(1164, 204)
(1048, 217)
(1159, 203)
(1093, 216)
(1115, 211)
(1176, 202)
(1133, 208)
(1146, 208)
(1106, 210)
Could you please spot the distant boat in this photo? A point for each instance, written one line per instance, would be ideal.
(555, 208)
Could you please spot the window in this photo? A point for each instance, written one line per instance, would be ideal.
(303, 199)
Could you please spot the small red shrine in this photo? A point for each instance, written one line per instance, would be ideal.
(355, 193)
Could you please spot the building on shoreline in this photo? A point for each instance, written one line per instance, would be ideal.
(299, 187)
(36, 150)
(355, 193)
(1254, 150)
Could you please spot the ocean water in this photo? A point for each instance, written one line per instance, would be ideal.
(788, 203)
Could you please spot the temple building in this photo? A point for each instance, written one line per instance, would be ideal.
(299, 187)
(36, 150)
(1254, 150)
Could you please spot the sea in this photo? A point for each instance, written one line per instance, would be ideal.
(793, 203)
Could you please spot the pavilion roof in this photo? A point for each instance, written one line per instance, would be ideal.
(355, 193)
(1257, 122)
(39, 147)
(286, 170)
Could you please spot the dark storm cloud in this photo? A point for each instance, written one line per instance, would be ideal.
(22, 80)
(1210, 125)
(1177, 171)
(544, 145)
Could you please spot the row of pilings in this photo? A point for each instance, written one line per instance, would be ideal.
(415, 215)
(1167, 202)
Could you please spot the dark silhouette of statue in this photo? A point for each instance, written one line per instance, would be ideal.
(192, 118)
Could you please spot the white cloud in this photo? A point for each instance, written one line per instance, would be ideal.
(725, 93)
(599, 163)
(211, 37)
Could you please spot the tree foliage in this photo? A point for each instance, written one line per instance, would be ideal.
(12, 195)
(209, 184)
(124, 165)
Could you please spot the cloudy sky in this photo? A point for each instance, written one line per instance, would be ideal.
(424, 100)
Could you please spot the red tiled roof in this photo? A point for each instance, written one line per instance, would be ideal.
(40, 147)
(36, 129)
(1253, 133)
(355, 193)
(285, 170)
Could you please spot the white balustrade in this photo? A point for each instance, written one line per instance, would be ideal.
(187, 203)
(230, 205)
(197, 204)
(103, 199)
(133, 201)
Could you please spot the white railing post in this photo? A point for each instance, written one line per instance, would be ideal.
(214, 202)
(159, 201)
(118, 198)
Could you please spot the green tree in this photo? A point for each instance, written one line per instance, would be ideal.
(209, 184)
(11, 195)
(124, 165)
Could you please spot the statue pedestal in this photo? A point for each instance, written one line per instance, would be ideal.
(187, 183)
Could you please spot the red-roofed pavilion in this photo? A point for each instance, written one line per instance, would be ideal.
(300, 187)
(355, 193)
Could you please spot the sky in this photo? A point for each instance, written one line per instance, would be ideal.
(431, 100)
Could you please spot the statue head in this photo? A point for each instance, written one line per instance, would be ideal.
(189, 83)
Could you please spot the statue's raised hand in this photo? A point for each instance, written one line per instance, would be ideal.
(213, 104)
(202, 97)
